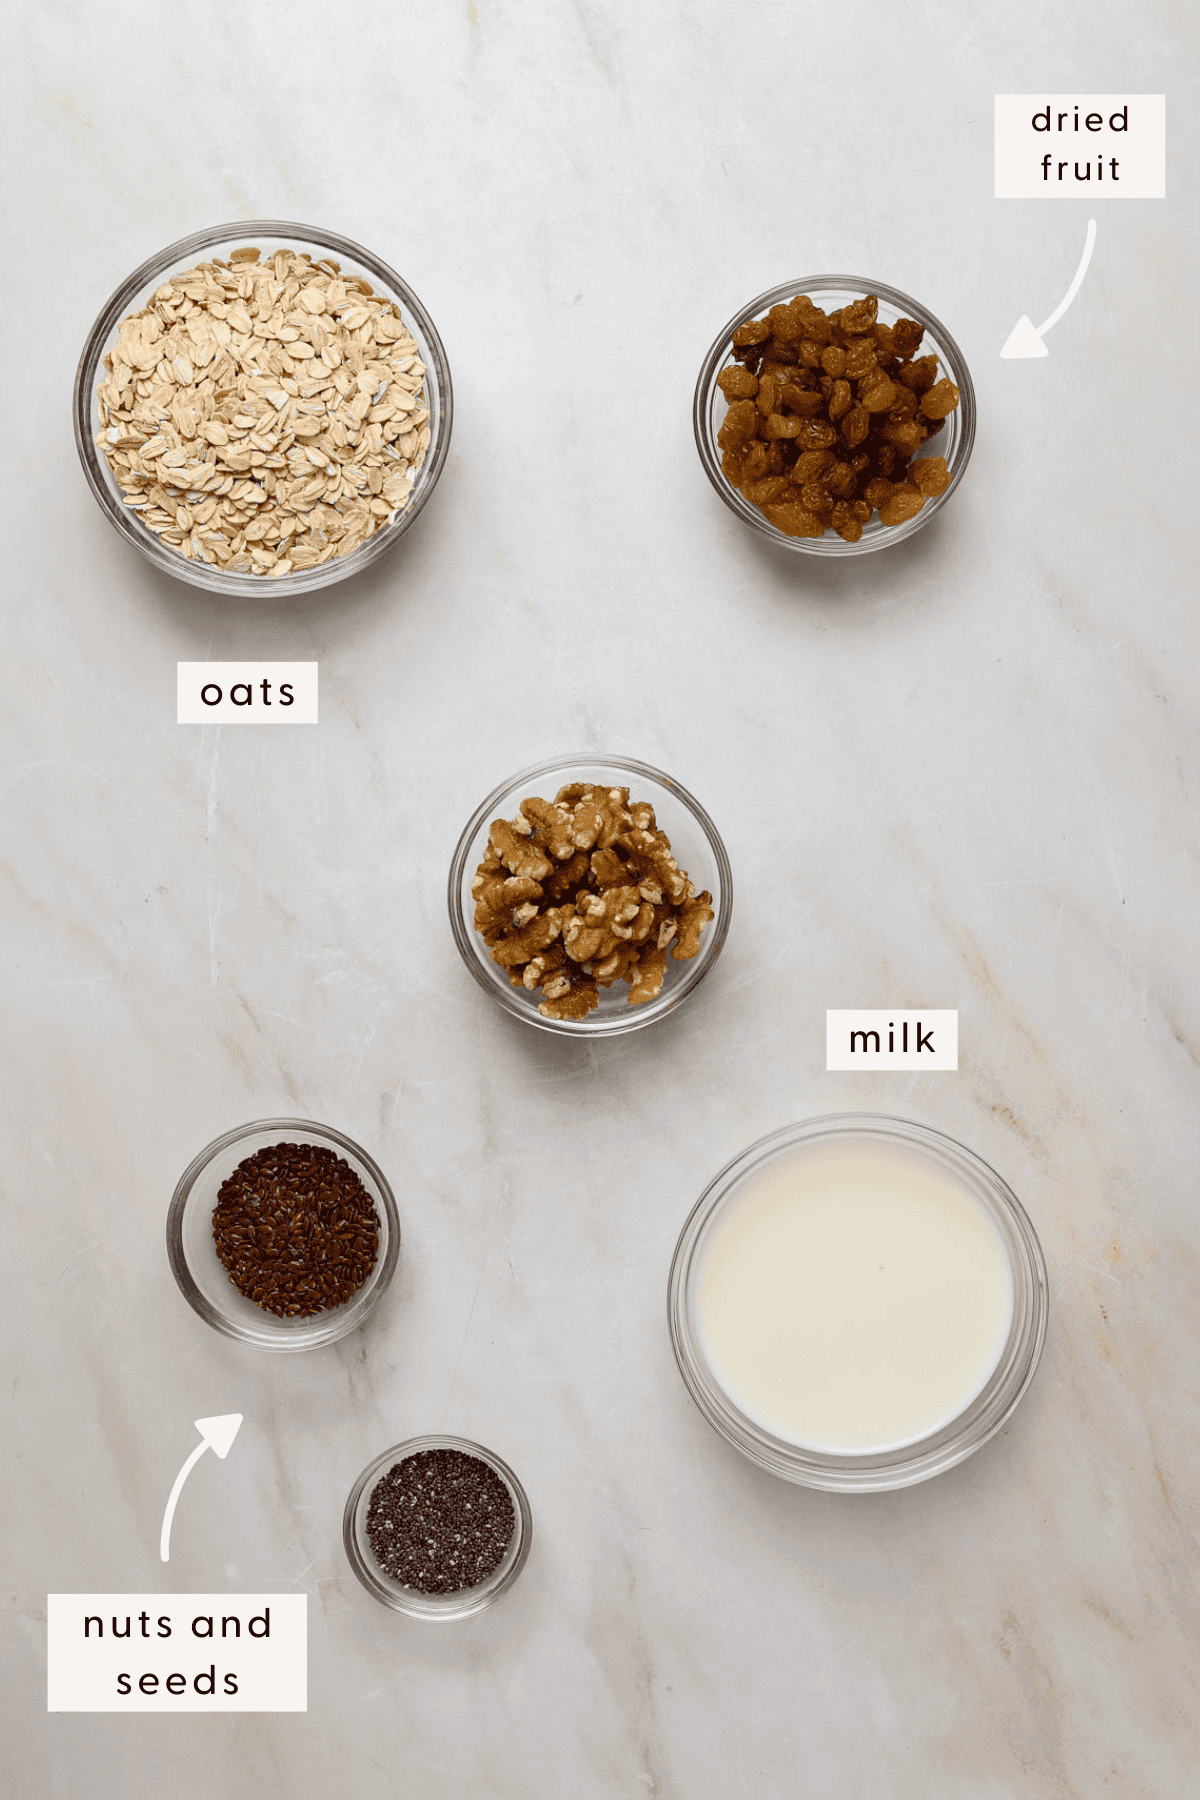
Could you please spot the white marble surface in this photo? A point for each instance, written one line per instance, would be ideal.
(960, 773)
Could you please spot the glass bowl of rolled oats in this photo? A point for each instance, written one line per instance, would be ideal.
(263, 405)
(590, 895)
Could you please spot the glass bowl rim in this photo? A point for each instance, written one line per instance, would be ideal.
(712, 941)
(980, 1420)
(324, 1328)
(464, 1602)
(204, 575)
(718, 356)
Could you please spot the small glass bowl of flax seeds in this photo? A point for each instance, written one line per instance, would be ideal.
(437, 1528)
(283, 1234)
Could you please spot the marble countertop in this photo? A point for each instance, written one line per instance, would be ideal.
(960, 773)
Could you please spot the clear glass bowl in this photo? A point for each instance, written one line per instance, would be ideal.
(695, 844)
(219, 240)
(880, 1471)
(435, 1607)
(954, 441)
(203, 1279)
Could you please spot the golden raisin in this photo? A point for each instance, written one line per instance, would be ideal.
(929, 475)
(737, 383)
(733, 467)
(860, 360)
(941, 399)
(756, 460)
(770, 488)
(739, 425)
(877, 395)
(770, 386)
(845, 524)
(787, 323)
(904, 434)
(920, 375)
(805, 401)
(859, 315)
(815, 434)
(811, 463)
(795, 520)
(906, 337)
(903, 503)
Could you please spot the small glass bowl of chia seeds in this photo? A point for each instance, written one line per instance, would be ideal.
(437, 1528)
(283, 1234)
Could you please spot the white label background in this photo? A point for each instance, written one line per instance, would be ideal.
(939, 1029)
(194, 678)
(1141, 151)
(272, 1672)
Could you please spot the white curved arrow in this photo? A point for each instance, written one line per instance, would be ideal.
(1025, 338)
(215, 1434)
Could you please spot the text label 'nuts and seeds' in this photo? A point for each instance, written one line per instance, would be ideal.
(177, 1653)
(246, 693)
(879, 1038)
(1081, 146)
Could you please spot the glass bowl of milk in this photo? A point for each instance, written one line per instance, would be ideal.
(857, 1303)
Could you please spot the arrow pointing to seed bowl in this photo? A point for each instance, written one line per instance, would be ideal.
(215, 1434)
(1025, 338)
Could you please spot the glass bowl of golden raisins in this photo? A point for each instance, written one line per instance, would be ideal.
(835, 415)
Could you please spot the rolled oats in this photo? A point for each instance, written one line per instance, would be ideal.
(264, 414)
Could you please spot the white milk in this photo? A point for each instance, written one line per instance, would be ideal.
(853, 1296)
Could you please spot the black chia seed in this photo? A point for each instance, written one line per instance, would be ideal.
(296, 1229)
(440, 1521)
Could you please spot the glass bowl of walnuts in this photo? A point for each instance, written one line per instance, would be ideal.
(835, 415)
(590, 895)
(263, 407)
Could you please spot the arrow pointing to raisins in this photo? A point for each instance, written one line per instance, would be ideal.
(215, 1434)
(1025, 338)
